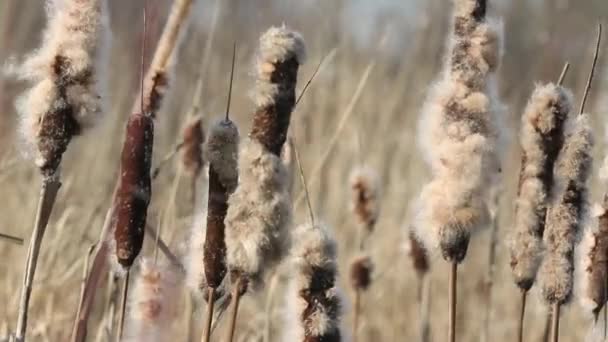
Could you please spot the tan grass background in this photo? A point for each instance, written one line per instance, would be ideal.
(401, 42)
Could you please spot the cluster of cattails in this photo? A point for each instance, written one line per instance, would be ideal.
(63, 101)
(458, 133)
(552, 206)
(313, 297)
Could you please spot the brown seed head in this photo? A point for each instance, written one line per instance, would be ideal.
(418, 255)
(192, 151)
(280, 55)
(134, 189)
(361, 272)
(365, 197)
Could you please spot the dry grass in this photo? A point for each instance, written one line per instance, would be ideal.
(396, 70)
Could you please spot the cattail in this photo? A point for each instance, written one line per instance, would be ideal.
(458, 135)
(260, 208)
(365, 203)
(134, 189)
(153, 304)
(593, 262)
(459, 131)
(541, 139)
(64, 98)
(222, 150)
(313, 298)
(566, 212)
(62, 102)
(418, 255)
(259, 211)
(192, 149)
(361, 273)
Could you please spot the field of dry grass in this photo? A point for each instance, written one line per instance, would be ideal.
(362, 108)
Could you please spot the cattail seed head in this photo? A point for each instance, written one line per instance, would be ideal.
(152, 306)
(418, 255)
(314, 304)
(542, 131)
(365, 203)
(134, 189)
(259, 212)
(566, 212)
(458, 135)
(593, 262)
(64, 99)
(222, 150)
(281, 52)
(361, 272)
(192, 155)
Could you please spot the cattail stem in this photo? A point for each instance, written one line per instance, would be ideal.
(555, 322)
(522, 312)
(452, 302)
(490, 279)
(209, 317)
(123, 307)
(83, 283)
(236, 299)
(547, 327)
(48, 195)
(424, 307)
(356, 314)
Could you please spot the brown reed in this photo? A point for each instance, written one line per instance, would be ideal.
(260, 210)
(365, 201)
(62, 102)
(361, 278)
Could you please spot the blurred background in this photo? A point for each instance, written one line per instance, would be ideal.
(389, 50)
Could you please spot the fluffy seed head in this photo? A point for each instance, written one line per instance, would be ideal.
(222, 152)
(63, 99)
(259, 213)
(361, 272)
(458, 134)
(195, 269)
(566, 213)
(152, 306)
(192, 155)
(280, 54)
(542, 131)
(314, 305)
(593, 263)
(365, 203)
(134, 189)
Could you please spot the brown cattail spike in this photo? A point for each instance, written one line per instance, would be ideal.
(134, 189)
(541, 140)
(595, 263)
(365, 197)
(192, 150)
(418, 254)
(281, 53)
(361, 273)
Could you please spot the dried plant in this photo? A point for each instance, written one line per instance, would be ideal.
(360, 278)
(565, 216)
(192, 150)
(541, 139)
(260, 210)
(458, 133)
(593, 262)
(152, 304)
(313, 298)
(62, 102)
(365, 203)
(222, 149)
